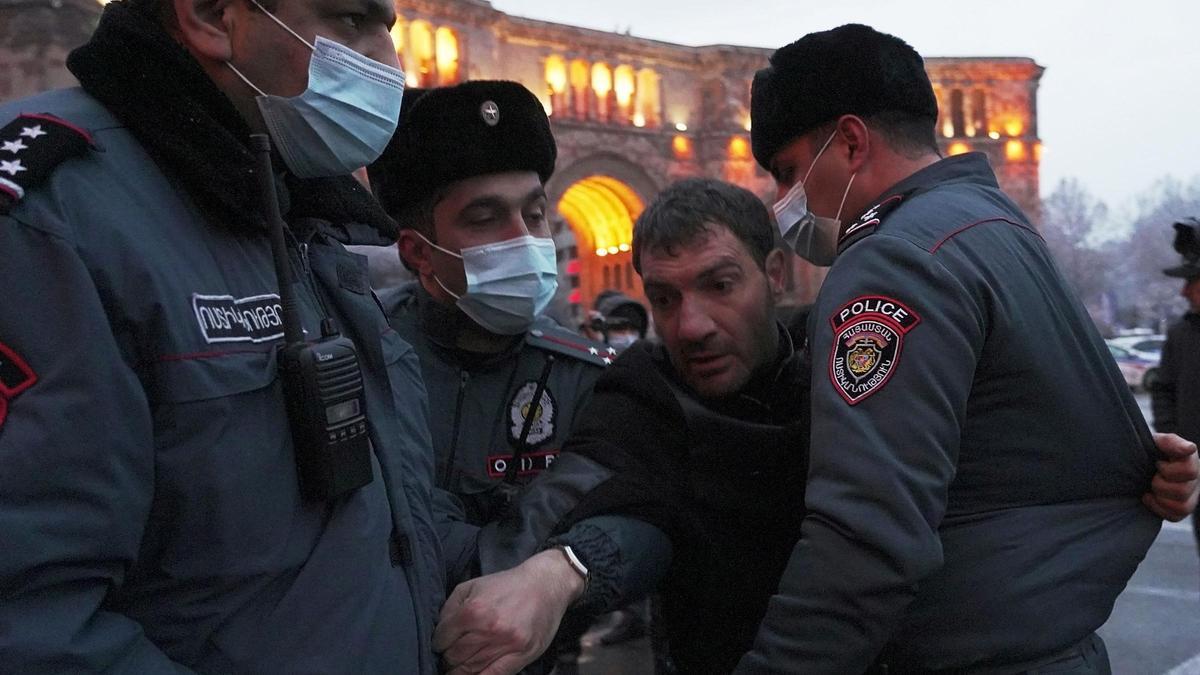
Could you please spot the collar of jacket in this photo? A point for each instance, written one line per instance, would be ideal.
(442, 325)
(193, 132)
(971, 167)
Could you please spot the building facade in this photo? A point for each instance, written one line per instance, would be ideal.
(631, 115)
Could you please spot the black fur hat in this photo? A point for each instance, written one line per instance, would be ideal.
(852, 69)
(450, 134)
(1187, 244)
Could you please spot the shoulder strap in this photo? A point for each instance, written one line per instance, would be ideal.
(31, 147)
(562, 341)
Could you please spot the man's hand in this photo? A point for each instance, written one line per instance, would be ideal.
(500, 623)
(1173, 492)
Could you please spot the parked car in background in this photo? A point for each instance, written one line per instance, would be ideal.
(1148, 347)
(1139, 372)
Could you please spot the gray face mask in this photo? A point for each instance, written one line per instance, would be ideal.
(343, 120)
(812, 237)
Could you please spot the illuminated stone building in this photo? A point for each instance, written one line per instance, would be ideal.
(630, 114)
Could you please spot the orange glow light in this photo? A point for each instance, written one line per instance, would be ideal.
(422, 40)
(739, 148)
(1014, 151)
(447, 55)
(556, 74)
(958, 148)
(682, 147)
(1014, 127)
(601, 79)
(623, 84)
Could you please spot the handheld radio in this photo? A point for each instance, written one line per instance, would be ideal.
(322, 382)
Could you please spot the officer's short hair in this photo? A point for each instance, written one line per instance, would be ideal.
(690, 209)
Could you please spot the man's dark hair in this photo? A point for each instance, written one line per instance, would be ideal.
(689, 210)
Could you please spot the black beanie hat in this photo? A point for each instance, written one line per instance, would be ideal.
(852, 69)
(450, 134)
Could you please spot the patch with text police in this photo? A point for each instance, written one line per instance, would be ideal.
(868, 333)
(544, 415)
(531, 464)
(15, 377)
(223, 318)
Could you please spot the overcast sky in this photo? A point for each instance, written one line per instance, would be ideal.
(1119, 103)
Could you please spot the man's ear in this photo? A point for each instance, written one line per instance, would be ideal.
(205, 27)
(415, 253)
(858, 140)
(774, 266)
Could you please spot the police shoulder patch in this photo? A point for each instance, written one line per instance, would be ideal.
(868, 334)
(559, 340)
(15, 377)
(31, 146)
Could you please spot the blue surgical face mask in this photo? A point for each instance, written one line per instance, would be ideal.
(509, 283)
(343, 120)
(812, 237)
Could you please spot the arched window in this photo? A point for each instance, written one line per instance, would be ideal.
(579, 88)
(556, 83)
(646, 99)
(624, 86)
(602, 86)
(446, 52)
(957, 115)
(424, 66)
(979, 116)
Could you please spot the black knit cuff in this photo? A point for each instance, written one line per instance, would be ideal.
(600, 554)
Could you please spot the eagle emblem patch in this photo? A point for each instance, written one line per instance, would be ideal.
(868, 334)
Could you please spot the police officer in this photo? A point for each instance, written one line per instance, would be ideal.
(1176, 396)
(976, 460)
(150, 506)
(464, 177)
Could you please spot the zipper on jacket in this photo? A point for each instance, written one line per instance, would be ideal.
(448, 473)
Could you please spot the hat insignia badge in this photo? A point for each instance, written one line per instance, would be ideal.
(490, 112)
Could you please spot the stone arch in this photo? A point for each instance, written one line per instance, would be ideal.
(597, 199)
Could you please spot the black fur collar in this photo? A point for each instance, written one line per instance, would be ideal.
(191, 129)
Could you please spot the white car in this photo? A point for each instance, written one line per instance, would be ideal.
(1148, 347)
(1139, 372)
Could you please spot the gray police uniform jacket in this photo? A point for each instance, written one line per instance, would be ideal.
(479, 403)
(150, 512)
(976, 459)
